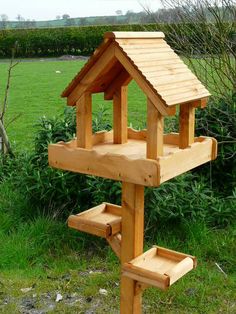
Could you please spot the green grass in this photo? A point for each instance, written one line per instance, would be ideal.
(47, 256)
(35, 92)
(44, 254)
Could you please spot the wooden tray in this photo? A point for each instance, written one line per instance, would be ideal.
(103, 220)
(159, 267)
(127, 162)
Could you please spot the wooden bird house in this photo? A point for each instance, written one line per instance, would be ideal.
(137, 158)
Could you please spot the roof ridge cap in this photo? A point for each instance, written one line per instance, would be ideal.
(134, 35)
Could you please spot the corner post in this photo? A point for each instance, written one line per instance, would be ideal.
(84, 121)
(131, 243)
(155, 126)
(186, 125)
(120, 134)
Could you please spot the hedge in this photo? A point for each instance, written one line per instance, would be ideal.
(76, 40)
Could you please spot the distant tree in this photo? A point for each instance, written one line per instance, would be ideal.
(119, 12)
(3, 20)
(19, 18)
(58, 17)
(70, 22)
(65, 16)
(83, 21)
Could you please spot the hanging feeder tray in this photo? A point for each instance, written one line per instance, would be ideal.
(103, 220)
(159, 267)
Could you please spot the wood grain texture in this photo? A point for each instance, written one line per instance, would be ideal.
(120, 112)
(123, 79)
(155, 128)
(84, 121)
(186, 125)
(138, 35)
(131, 243)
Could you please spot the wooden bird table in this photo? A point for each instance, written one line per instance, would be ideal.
(136, 158)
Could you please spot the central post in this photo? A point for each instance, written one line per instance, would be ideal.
(131, 243)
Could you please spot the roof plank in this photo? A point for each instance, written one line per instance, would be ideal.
(149, 60)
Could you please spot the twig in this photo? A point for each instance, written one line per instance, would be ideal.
(221, 270)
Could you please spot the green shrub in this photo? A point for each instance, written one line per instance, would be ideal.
(84, 40)
(57, 193)
(219, 120)
(188, 197)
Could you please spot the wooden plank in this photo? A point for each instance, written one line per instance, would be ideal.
(167, 72)
(93, 211)
(106, 165)
(186, 125)
(120, 135)
(113, 209)
(89, 221)
(130, 35)
(106, 60)
(152, 275)
(200, 102)
(84, 121)
(147, 281)
(140, 287)
(101, 83)
(174, 255)
(115, 243)
(147, 89)
(180, 270)
(148, 51)
(157, 44)
(184, 160)
(132, 243)
(123, 79)
(84, 227)
(148, 254)
(187, 96)
(150, 63)
(139, 41)
(102, 137)
(155, 126)
(195, 89)
(136, 134)
(154, 57)
(97, 53)
(175, 78)
(163, 67)
(165, 86)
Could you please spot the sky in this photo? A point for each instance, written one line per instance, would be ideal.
(49, 9)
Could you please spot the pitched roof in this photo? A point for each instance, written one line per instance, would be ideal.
(160, 68)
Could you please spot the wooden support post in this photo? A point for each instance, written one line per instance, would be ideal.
(155, 125)
(120, 115)
(131, 243)
(84, 121)
(186, 125)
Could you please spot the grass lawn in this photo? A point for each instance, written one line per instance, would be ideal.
(35, 92)
(46, 257)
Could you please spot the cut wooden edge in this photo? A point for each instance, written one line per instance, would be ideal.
(143, 83)
(123, 79)
(84, 222)
(140, 287)
(147, 281)
(201, 102)
(214, 151)
(115, 243)
(136, 35)
(145, 276)
(182, 268)
(174, 255)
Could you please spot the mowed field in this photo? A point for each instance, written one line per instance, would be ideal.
(35, 92)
